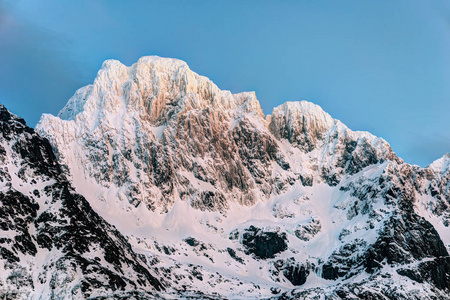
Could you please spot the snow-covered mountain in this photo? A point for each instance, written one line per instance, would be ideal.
(52, 244)
(221, 201)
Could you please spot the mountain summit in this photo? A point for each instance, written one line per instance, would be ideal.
(226, 202)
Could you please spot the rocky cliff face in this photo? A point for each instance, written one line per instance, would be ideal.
(227, 202)
(333, 150)
(52, 244)
(152, 129)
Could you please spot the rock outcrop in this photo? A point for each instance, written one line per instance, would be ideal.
(52, 244)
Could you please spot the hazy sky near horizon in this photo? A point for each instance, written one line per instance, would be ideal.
(378, 66)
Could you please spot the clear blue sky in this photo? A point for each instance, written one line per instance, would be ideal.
(380, 66)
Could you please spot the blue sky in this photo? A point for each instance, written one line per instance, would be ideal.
(379, 66)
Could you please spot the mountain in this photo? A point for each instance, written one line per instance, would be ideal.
(222, 201)
(52, 244)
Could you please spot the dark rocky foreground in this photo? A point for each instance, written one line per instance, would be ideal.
(51, 240)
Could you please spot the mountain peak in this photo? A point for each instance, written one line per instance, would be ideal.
(148, 61)
(160, 103)
(6, 115)
(304, 109)
(441, 165)
(153, 88)
(301, 123)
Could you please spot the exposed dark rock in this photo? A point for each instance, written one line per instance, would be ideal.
(233, 254)
(306, 231)
(263, 244)
(435, 271)
(330, 272)
(192, 242)
(307, 180)
(405, 238)
(295, 272)
(66, 223)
